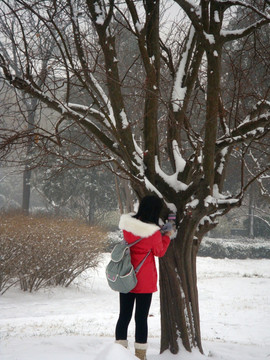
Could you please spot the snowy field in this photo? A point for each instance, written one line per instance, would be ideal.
(77, 323)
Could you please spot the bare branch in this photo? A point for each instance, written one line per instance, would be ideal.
(250, 129)
(192, 12)
(229, 3)
(230, 35)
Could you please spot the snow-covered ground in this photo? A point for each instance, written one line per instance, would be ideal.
(77, 323)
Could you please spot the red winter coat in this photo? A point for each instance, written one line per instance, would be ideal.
(134, 229)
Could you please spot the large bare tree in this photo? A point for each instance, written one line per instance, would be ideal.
(155, 111)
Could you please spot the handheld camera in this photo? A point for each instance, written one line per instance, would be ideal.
(169, 225)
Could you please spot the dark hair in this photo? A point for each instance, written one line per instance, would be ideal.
(149, 209)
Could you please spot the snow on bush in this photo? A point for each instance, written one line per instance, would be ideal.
(40, 251)
(238, 248)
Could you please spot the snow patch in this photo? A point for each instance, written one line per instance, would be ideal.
(210, 38)
(180, 163)
(115, 351)
(193, 204)
(124, 119)
(100, 16)
(216, 193)
(206, 219)
(216, 16)
(139, 26)
(78, 322)
(209, 200)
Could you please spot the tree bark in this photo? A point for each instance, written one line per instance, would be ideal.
(178, 292)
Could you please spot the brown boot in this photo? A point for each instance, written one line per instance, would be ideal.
(140, 350)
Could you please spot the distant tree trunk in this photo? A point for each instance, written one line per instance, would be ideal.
(92, 207)
(31, 109)
(26, 190)
(251, 212)
(118, 194)
(128, 196)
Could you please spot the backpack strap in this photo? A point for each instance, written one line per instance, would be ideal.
(135, 242)
(141, 263)
(143, 260)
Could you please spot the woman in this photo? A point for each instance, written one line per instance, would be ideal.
(142, 225)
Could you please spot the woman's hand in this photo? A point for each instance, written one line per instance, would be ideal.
(169, 233)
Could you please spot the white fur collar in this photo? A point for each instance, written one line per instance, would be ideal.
(137, 227)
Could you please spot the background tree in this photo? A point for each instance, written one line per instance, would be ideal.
(246, 75)
(38, 47)
(179, 141)
(79, 192)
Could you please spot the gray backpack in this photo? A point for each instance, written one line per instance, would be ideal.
(121, 275)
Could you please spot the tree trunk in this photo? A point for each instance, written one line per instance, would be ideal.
(31, 109)
(128, 197)
(92, 207)
(180, 318)
(251, 212)
(26, 190)
(118, 194)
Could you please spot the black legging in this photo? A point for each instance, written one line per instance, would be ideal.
(143, 302)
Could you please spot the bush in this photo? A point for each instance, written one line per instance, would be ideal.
(238, 248)
(40, 251)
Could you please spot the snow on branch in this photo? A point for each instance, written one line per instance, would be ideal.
(123, 116)
(263, 189)
(170, 180)
(209, 37)
(262, 106)
(99, 12)
(249, 135)
(105, 99)
(154, 190)
(100, 16)
(138, 156)
(244, 3)
(263, 219)
(222, 160)
(230, 35)
(63, 109)
(96, 113)
(215, 201)
(221, 201)
(248, 130)
(88, 110)
(208, 220)
(180, 163)
(179, 91)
